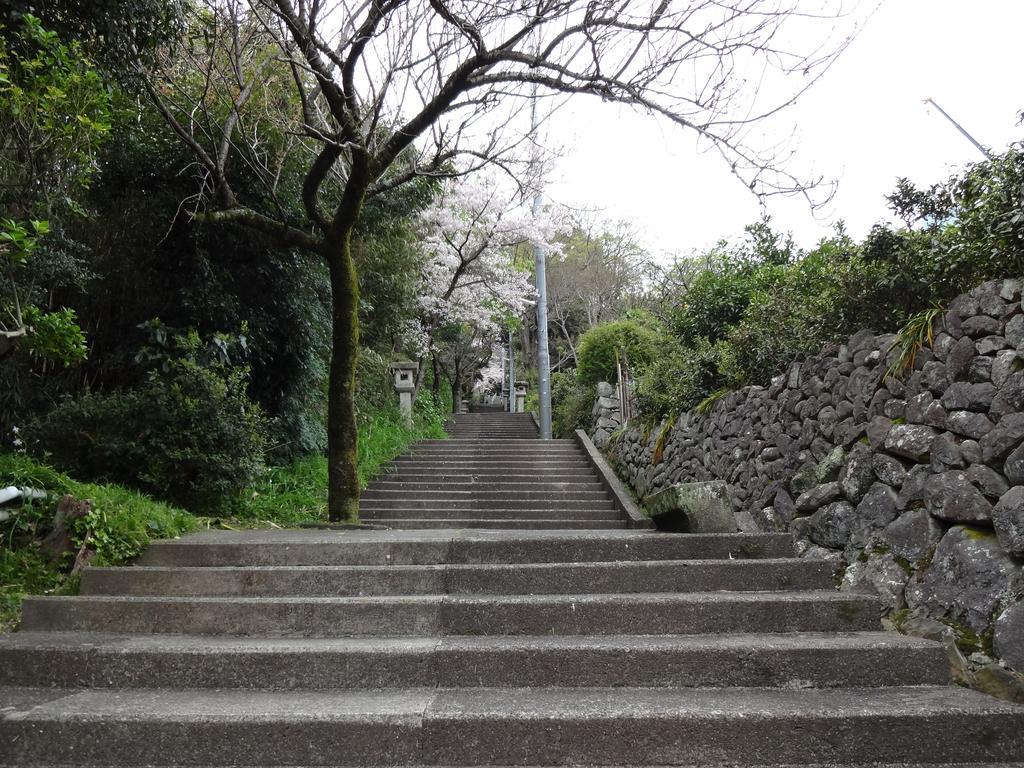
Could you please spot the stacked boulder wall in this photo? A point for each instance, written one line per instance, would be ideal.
(913, 482)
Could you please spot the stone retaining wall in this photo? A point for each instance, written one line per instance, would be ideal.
(913, 485)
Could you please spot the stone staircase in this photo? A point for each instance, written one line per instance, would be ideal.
(465, 647)
(494, 472)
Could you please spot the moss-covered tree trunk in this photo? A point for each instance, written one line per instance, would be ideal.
(342, 428)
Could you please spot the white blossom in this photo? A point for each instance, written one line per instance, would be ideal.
(469, 236)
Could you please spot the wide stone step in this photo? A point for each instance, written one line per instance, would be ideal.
(397, 510)
(312, 547)
(89, 660)
(531, 478)
(560, 523)
(486, 462)
(510, 579)
(671, 726)
(515, 726)
(470, 483)
(473, 444)
(584, 614)
(413, 502)
(484, 492)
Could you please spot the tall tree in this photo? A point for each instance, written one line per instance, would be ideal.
(450, 81)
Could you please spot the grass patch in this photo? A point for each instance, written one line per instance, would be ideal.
(119, 526)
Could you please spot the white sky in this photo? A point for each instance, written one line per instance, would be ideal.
(864, 124)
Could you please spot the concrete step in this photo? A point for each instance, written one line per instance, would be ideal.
(413, 502)
(313, 547)
(514, 726)
(469, 484)
(583, 614)
(162, 727)
(671, 726)
(485, 492)
(507, 524)
(526, 511)
(510, 446)
(530, 478)
(90, 660)
(486, 462)
(510, 579)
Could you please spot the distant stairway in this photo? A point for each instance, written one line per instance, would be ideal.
(494, 472)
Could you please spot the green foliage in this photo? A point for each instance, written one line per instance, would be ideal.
(601, 347)
(916, 333)
(55, 335)
(55, 114)
(119, 526)
(677, 379)
(188, 433)
(756, 307)
(571, 404)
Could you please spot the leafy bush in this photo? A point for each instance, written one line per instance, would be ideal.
(571, 403)
(599, 347)
(188, 433)
(677, 380)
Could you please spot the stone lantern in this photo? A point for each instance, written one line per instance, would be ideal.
(405, 384)
(521, 387)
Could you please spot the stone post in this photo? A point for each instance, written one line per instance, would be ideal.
(405, 384)
(521, 387)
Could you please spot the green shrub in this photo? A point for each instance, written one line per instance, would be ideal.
(189, 434)
(677, 380)
(571, 403)
(599, 346)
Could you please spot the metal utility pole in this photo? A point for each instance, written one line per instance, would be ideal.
(511, 376)
(540, 261)
(945, 114)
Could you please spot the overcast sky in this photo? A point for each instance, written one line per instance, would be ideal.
(864, 124)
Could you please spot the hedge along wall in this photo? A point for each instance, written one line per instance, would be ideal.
(914, 484)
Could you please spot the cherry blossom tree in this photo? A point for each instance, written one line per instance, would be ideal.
(475, 279)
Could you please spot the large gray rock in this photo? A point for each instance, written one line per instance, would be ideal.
(876, 510)
(915, 485)
(1008, 520)
(912, 441)
(832, 525)
(964, 396)
(1005, 363)
(880, 575)
(825, 471)
(1008, 642)
(877, 430)
(966, 580)
(1014, 466)
(1010, 398)
(968, 424)
(951, 496)
(945, 453)
(958, 362)
(699, 507)
(1004, 437)
(818, 496)
(858, 473)
(888, 469)
(988, 481)
(913, 534)
(981, 325)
